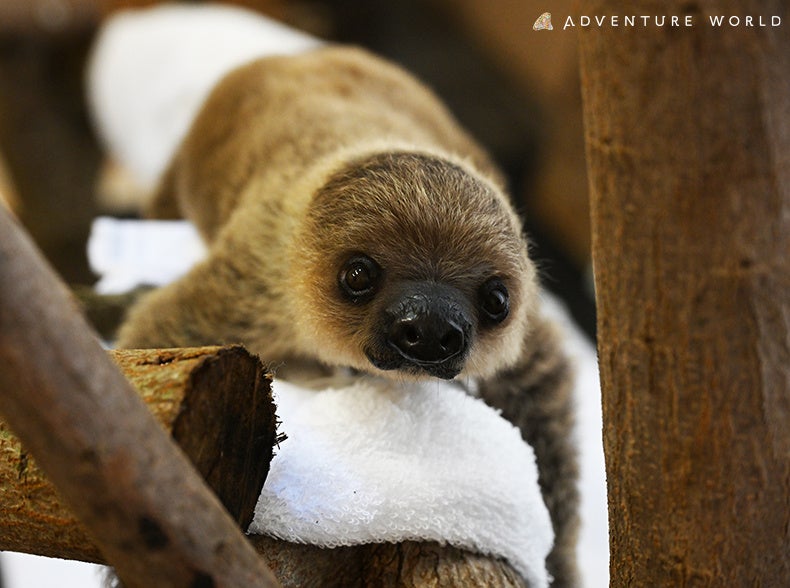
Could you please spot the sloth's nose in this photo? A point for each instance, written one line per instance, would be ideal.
(427, 338)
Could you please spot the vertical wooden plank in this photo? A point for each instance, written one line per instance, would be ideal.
(688, 142)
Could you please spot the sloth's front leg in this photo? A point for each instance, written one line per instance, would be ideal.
(536, 396)
(212, 304)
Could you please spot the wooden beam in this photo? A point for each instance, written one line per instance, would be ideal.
(688, 142)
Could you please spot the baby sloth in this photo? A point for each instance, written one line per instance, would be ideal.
(351, 223)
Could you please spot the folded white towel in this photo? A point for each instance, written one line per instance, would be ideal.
(151, 70)
(384, 461)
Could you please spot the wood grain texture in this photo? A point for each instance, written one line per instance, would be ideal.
(688, 141)
(408, 564)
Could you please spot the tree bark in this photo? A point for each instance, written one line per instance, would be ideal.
(215, 402)
(688, 139)
(151, 515)
(386, 565)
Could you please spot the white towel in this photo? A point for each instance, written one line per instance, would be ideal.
(151, 70)
(386, 461)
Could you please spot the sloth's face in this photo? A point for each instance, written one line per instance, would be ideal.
(410, 265)
(421, 325)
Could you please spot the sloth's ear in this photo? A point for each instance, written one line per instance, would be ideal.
(536, 395)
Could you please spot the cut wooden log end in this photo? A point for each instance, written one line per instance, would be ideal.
(217, 404)
(224, 419)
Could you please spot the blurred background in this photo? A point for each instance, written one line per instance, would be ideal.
(517, 90)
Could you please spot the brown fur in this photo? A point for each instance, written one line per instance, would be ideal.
(296, 163)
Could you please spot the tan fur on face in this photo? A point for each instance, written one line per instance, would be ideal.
(421, 217)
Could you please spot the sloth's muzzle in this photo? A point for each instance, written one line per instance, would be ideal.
(426, 339)
(426, 328)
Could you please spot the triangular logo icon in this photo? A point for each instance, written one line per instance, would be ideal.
(543, 23)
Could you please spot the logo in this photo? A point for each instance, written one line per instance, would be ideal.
(543, 23)
(584, 21)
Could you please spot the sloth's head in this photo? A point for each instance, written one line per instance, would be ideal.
(410, 264)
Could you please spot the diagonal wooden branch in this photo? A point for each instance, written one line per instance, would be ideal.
(216, 403)
(152, 516)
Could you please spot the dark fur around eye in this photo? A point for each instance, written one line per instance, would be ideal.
(359, 278)
(494, 301)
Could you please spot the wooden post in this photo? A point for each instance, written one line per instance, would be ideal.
(688, 142)
(151, 515)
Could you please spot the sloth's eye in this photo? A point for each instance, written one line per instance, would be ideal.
(358, 277)
(494, 300)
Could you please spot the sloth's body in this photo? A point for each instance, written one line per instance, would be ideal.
(353, 224)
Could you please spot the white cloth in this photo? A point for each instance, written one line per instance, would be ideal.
(386, 461)
(151, 69)
(129, 253)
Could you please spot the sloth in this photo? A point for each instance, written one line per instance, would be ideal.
(352, 224)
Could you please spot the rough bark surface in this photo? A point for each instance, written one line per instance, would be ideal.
(385, 565)
(46, 142)
(216, 403)
(150, 513)
(688, 138)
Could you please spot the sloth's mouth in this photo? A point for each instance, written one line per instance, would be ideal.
(446, 370)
